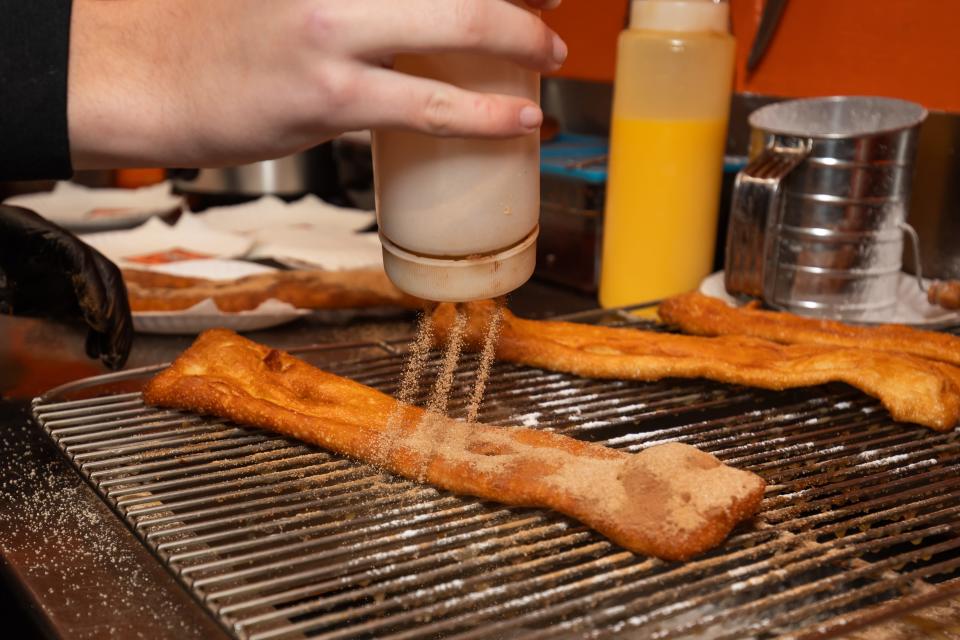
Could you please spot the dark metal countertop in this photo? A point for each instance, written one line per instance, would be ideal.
(68, 563)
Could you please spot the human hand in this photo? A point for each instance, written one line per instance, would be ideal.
(226, 82)
(46, 271)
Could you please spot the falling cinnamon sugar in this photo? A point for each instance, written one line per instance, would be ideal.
(485, 363)
(409, 384)
(440, 397)
(430, 427)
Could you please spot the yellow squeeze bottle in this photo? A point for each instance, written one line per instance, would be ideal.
(671, 105)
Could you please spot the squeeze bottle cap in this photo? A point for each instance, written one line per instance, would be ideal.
(680, 15)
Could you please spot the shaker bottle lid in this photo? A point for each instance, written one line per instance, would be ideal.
(461, 279)
(680, 15)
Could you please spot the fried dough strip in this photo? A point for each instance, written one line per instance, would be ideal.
(670, 501)
(160, 280)
(705, 316)
(912, 389)
(151, 291)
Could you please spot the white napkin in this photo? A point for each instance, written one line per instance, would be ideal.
(308, 233)
(270, 212)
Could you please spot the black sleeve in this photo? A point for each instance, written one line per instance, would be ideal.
(34, 49)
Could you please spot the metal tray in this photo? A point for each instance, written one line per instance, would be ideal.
(277, 539)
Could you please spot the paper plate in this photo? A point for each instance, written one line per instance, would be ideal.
(205, 315)
(82, 209)
(912, 306)
(156, 243)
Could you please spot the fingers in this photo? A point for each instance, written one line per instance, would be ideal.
(113, 321)
(48, 272)
(392, 100)
(117, 336)
(491, 27)
(102, 298)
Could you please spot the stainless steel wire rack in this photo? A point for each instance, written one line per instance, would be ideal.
(277, 539)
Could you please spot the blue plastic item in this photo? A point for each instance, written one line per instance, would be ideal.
(569, 155)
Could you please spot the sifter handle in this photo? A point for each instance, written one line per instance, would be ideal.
(911, 233)
(755, 207)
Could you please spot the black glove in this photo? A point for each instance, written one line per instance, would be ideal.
(47, 272)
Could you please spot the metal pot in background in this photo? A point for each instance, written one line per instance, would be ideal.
(313, 171)
(818, 215)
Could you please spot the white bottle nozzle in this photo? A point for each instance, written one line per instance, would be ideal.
(461, 279)
(680, 15)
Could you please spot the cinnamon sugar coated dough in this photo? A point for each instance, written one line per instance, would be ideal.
(912, 389)
(671, 501)
(703, 315)
(357, 288)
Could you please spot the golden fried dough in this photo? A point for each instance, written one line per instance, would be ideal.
(670, 501)
(359, 288)
(912, 389)
(702, 315)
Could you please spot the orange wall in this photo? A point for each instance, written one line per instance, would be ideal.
(590, 28)
(903, 48)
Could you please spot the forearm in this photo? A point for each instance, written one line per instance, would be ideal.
(124, 108)
(226, 82)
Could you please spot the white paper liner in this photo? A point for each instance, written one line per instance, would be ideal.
(212, 269)
(81, 208)
(271, 212)
(308, 233)
(155, 237)
(300, 249)
(912, 305)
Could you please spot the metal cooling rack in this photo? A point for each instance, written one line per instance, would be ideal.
(277, 539)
